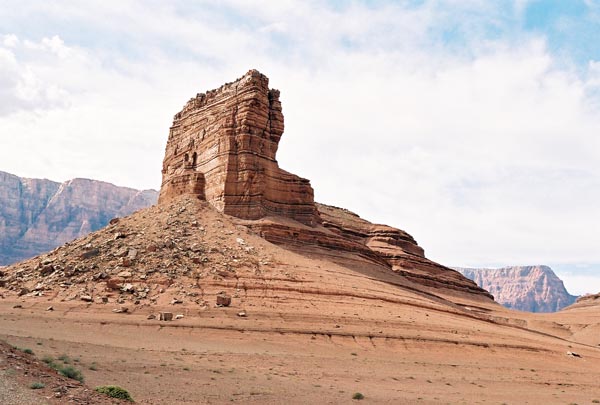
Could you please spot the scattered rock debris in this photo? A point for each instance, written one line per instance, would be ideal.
(164, 259)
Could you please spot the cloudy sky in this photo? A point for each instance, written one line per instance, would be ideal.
(474, 125)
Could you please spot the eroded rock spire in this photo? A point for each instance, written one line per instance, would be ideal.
(222, 148)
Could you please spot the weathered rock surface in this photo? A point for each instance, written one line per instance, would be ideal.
(525, 288)
(38, 215)
(222, 148)
(220, 159)
(396, 247)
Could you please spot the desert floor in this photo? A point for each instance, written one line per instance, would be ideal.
(217, 357)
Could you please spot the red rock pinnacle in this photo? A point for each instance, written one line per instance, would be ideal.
(222, 148)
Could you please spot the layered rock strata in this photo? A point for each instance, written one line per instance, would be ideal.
(38, 215)
(221, 150)
(524, 288)
(222, 147)
(399, 250)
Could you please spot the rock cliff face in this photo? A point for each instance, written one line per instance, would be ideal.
(221, 148)
(525, 288)
(38, 215)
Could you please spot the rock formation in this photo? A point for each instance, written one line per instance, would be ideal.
(525, 288)
(220, 159)
(397, 248)
(335, 300)
(38, 215)
(222, 148)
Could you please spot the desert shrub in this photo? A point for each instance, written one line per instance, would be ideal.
(71, 372)
(64, 358)
(114, 391)
(358, 396)
(50, 362)
(27, 350)
(37, 385)
(93, 367)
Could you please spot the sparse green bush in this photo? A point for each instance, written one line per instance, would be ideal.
(37, 385)
(64, 358)
(71, 372)
(50, 362)
(114, 391)
(24, 350)
(93, 367)
(358, 396)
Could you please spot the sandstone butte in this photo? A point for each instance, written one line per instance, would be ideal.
(221, 149)
(274, 297)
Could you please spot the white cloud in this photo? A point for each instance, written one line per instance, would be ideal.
(484, 149)
(10, 41)
(54, 45)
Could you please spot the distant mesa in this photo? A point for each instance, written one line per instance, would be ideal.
(524, 288)
(37, 215)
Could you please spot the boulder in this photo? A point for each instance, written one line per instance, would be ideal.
(90, 253)
(165, 316)
(223, 300)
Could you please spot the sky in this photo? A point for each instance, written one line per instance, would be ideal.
(474, 125)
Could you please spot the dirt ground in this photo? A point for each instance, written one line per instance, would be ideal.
(222, 358)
